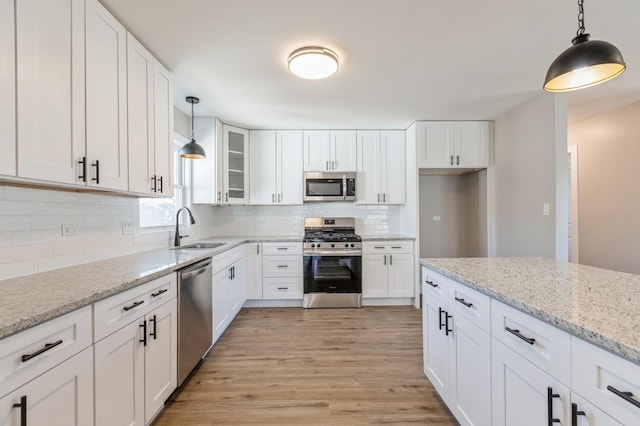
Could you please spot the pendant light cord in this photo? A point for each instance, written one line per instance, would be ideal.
(193, 138)
(581, 28)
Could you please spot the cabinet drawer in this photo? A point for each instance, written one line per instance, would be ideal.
(471, 304)
(226, 259)
(270, 249)
(598, 375)
(369, 247)
(593, 416)
(546, 346)
(30, 353)
(115, 312)
(282, 266)
(434, 285)
(282, 288)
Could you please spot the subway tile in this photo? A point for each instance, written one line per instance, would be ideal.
(18, 193)
(6, 239)
(26, 238)
(21, 208)
(14, 223)
(23, 253)
(18, 269)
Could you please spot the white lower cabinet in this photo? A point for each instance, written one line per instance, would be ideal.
(229, 290)
(136, 366)
(523, 394)
(457, 356)
(254, 271)
(387, 269)
(61, 396)
(282, 271)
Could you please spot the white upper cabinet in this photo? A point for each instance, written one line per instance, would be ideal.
(276, 167)
(381, 167)
(333, 150)
(235, 165)
(7, 89)
(163, 131)
(453, 144)
(50, 82)
(106, 98)
(150, 121)
(207, 176)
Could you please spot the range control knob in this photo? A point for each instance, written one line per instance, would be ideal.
(353, 245)
(333, 245)
(318, 246)
(313, 245)
(346, 245)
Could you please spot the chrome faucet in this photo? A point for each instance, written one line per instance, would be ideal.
(176, 241)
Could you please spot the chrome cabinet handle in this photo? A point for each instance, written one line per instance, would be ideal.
(327, 165)
(279, 197)
(378, 197)
(457, 160)
(451, 160)
(219, 196)
(384, 197)
(273, 198)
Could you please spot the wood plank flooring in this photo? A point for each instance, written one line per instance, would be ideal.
(290, 366)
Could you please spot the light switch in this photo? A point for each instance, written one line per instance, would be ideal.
(436, 218)
(545, 209)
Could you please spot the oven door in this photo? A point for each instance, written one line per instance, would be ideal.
(332, 274)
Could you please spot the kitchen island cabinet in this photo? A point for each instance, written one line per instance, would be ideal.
(549, 324)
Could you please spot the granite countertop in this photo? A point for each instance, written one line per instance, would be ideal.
(33, 299)
(386, 237)
(597, 305)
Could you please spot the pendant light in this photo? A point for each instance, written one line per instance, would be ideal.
(191, 149)
(585, 64)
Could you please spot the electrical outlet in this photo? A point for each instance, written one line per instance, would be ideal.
(69, 230)
(436, 218)
(127, 227)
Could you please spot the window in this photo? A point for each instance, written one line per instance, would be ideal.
(160, 212)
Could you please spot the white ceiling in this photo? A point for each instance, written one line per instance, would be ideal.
(401, 60)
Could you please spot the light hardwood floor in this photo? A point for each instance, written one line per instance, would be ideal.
(290, 366)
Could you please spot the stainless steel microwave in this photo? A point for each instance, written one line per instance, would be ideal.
(329, 186)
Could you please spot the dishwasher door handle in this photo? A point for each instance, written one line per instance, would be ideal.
(188, 273)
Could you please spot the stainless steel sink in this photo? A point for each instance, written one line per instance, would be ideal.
(199, 246)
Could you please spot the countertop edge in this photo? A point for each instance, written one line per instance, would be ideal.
(609, 344)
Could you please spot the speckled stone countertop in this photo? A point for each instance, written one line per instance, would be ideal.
(33, 299)
(597, 305)
(386, 237)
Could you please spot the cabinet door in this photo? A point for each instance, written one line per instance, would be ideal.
(470, 373)
(436, 346)
(236, 164)
(317, 151)
(368, 189)
(7, 89)
(237, 288)
(343, 150)
(374, 275)
(263, 167)
(207, 176)
(140, 113)
(106, 98)
(591, 415)
(393, 167)
(400, 275)
(161, 357)
(119, 377)
(220, 296)
(254, 271)
(436, 141)
(61, 396)
(520, 391)
(290, 174)
(50, 89)
(163, 128)
(471, 143)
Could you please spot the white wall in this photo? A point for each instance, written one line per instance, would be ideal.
(530, 170)
(609, 189)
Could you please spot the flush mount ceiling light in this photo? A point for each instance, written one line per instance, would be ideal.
(313, 63)
(585, 64)
(191, 149)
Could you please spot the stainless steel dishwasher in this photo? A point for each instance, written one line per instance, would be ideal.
(194, 316)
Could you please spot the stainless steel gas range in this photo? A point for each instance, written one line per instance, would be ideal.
(332, 263)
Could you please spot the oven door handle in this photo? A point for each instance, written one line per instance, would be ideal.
(334, 253)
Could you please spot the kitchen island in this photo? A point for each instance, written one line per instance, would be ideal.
(532, 340)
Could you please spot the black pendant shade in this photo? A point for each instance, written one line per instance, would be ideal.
(585, 64)
(192, 150)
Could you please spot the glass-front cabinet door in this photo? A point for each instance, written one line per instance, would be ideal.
(236, 165)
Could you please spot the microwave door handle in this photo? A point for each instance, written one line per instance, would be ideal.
(344, 187)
